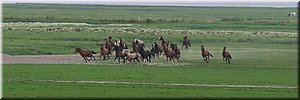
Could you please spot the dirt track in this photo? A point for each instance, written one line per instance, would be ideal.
(44, 59)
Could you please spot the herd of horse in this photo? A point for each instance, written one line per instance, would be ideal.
(141, 52)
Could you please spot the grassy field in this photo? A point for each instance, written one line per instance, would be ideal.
(263, 49)
(222, 18)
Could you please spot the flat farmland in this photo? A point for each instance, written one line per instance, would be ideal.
(39, 60)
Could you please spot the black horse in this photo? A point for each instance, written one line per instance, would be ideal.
(146, 55)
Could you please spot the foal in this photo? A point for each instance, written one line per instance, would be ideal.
(226, 55)
(205, 54)
(85, 53)
(131, 56)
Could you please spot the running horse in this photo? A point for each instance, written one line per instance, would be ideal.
(157, 49)
(163, 41)
(170, 54)
(205, 54)
(85, 53)
(108, 45)
(186, 43)
(226, 55)
(136, 45)
(175, 48)
(119, 53)
(104, 52)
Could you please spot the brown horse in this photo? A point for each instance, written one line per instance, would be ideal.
(175, 48)
(108, 44)
(157, 49)
(226, 55)
(119, 53)
(104, 52)
(170, 54)
(205, 54)
(131, 56)
(186, 43)
(163, 41)
(85, 53)
(122, 44)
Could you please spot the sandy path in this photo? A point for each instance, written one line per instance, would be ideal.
(44, 59)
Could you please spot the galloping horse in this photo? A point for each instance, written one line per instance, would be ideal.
(170, 54)
(122, 44)
(109, 44)
(119, 53)
(104, 52)
(226, 55)
(131, 56)
(85, 53)
(163, 41)
(176, 49)
(145, 54)
(186, 43)
(157, 49)
(205, 54)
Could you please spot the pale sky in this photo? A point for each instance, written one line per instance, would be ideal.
(63, 1)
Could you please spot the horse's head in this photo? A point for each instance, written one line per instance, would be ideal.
(160, 38)
(77, 50)
(224, 48)
(202, 47)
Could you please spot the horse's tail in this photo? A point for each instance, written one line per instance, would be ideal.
(230, 56)
(94, 52)
(210, 55)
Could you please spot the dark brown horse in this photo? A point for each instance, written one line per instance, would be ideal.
(104, 52)
(175, 48)
(157, 49)
(85, 53)
(163, 41)
(122, 44)
(186, 43)
(170, 54)
(146, 55)
(226, 55)
(205, 54)
(109, 44)
(119, 53)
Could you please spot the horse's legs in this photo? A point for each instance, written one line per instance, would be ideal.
(84, 59)
(115, 58)
(123, 59)
(94, 57)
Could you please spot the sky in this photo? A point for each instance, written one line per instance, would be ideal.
(278, 3)
(59, 1)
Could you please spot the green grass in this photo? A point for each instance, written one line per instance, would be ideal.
(240, 72)
(258, 59)
(252, 64)
(35, 42)
(224, 18)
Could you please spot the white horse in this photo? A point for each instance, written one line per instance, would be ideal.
(292, 14)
